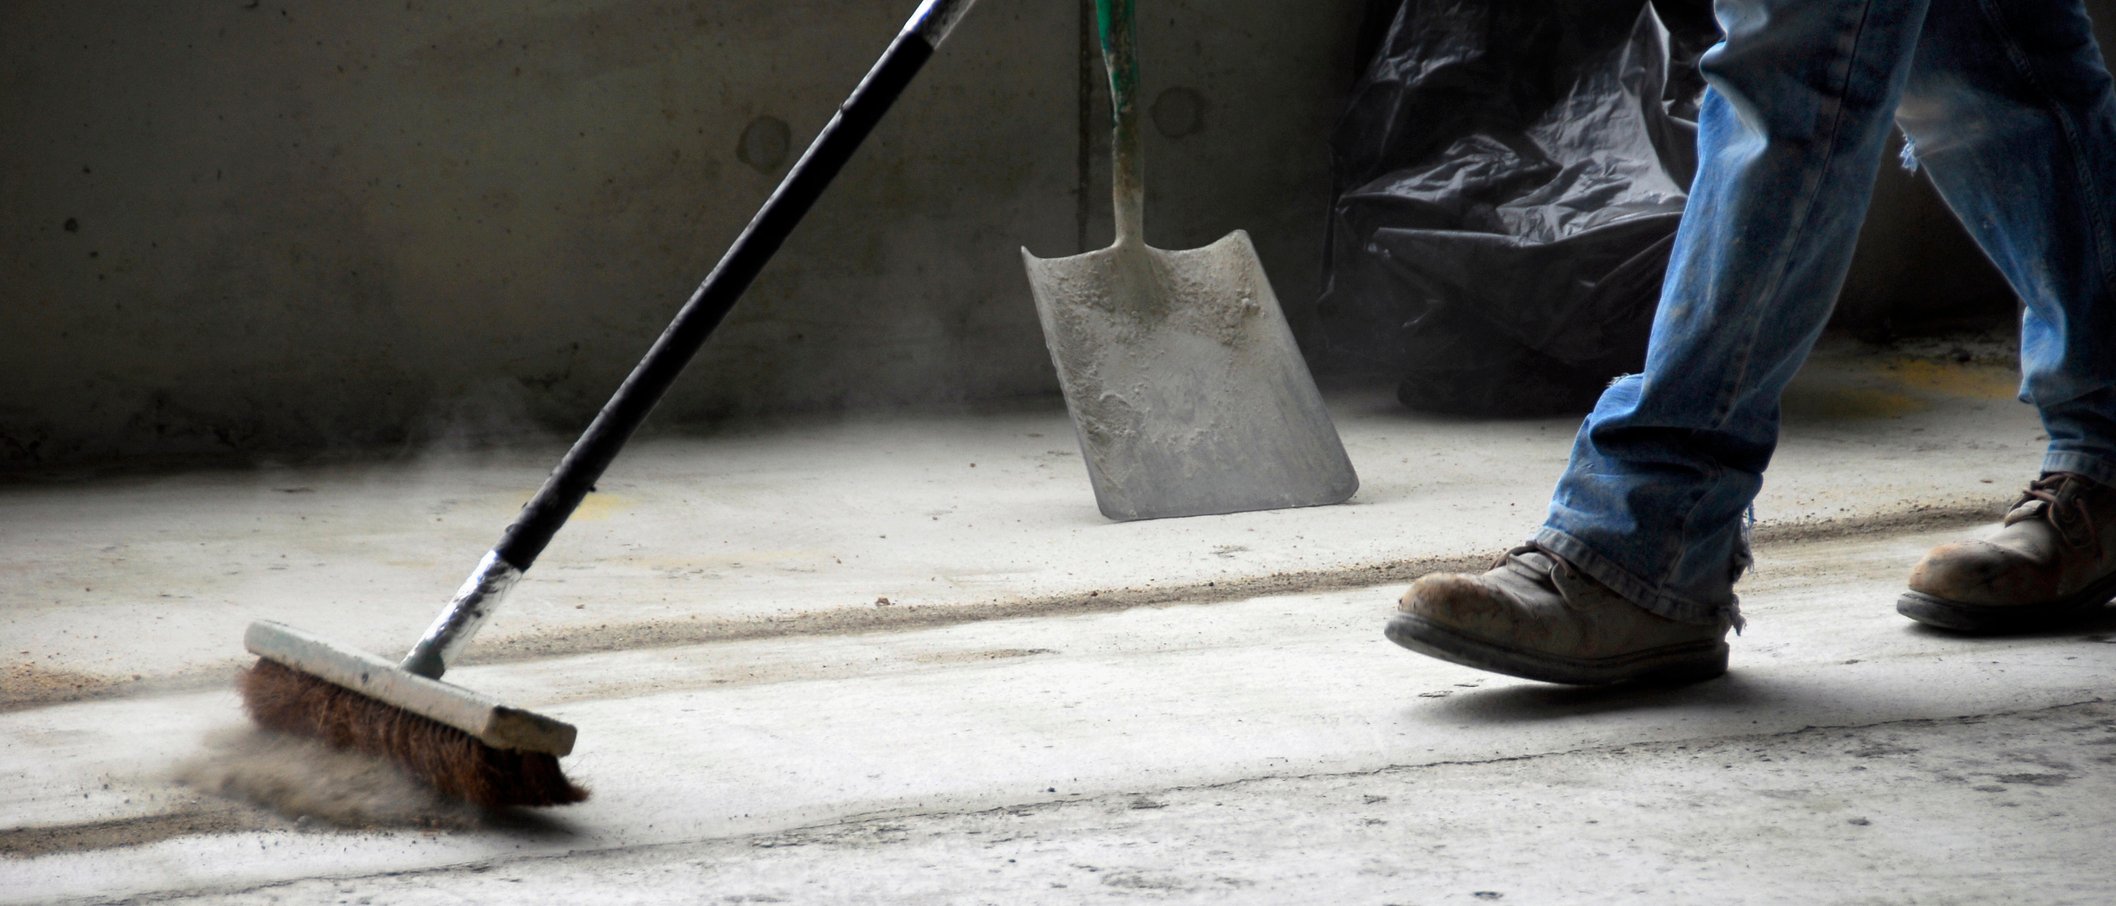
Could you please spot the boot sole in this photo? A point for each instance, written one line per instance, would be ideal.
(1669, 665)
(1996, 619)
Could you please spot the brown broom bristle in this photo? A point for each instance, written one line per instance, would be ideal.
(453, 762)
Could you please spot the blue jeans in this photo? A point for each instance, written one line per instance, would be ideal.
(2008, 107)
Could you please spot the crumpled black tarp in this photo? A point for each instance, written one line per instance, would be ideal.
(1509, 175)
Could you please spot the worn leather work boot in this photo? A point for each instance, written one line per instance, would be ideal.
(1533, 615)
(2054, 560)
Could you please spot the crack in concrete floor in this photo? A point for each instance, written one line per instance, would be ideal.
(648, 634)
(1879, 778)
(801, 705)
(216, 816)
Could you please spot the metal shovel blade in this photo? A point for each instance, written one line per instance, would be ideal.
(1185, 386)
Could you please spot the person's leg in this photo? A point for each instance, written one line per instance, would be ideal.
(1791, 139)
(2009, 109)
(1663, 471)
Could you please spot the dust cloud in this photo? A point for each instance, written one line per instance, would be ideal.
(307, 781)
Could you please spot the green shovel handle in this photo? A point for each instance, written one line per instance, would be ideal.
(1114, 20)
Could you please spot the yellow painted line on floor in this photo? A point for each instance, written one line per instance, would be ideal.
(1840, 402)
(1983, 382)
(598, 507)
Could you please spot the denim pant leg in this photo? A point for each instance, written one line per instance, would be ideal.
(1803, 95)
(2009, 110)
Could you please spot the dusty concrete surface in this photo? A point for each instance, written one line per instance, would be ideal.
(1969, 810)
(1265, 726)
(1180, 710)
(820, 527)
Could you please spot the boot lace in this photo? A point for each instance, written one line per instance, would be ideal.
(1559, 564)
(1560, 568)
(2056, 505)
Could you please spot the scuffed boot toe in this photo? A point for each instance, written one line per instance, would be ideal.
(1534, 616)
(1463, 602)
(1976, 572)
(2053, 561)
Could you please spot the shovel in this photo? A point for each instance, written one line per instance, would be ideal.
(1186, 389)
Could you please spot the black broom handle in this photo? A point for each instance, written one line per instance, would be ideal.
(562, 492)
(576, 474)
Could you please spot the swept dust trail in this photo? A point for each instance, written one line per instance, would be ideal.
(303, 780)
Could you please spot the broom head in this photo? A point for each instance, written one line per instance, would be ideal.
(465, 745)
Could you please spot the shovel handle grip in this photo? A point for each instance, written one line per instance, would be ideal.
(1115, 22)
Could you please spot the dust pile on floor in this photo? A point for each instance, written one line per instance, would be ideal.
(304, 779)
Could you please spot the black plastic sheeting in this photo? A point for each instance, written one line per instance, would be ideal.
(1509, 176)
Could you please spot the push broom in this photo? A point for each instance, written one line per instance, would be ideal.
(469, 746)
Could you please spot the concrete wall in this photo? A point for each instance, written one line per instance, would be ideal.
(297, 225)
(271, 227)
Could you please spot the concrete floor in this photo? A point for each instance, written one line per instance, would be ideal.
(904, 660)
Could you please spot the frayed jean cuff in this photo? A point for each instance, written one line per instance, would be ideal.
(1636, 590)
(2093, 468)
